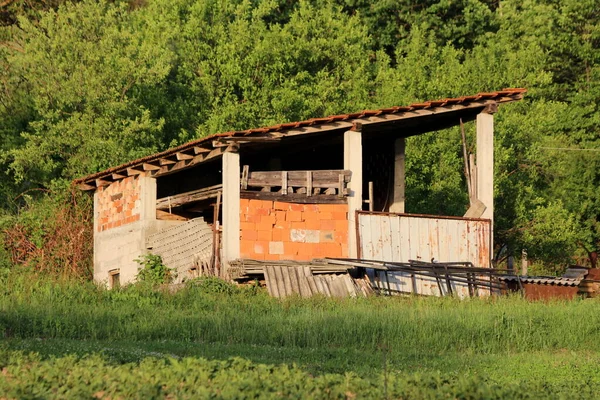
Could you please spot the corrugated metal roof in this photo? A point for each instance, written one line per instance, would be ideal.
(544, 280)
(505, 95)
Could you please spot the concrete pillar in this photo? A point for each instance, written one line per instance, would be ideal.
(485, 166)
(353, 162)
(147, 198)
(397, 205)
(231, 206)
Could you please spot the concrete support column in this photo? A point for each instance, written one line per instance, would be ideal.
(397, 205)
(231, 206)
(147, 198)
(353, 161)
(485, 165)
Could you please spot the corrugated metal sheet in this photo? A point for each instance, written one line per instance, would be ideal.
(184, 246)
(283, 281)
(545, 280)
(404, 237)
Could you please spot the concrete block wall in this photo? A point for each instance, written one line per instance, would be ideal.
(290, 231)
(124, 216)
(118, 204)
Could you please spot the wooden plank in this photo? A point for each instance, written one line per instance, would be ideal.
(166, 216)
(188, 197)
(245, 173)
(165, 161)
(284, 183)
(116, 176)
(292, 197)
(150, 167)
(85, 186)
(134, 171)
(200, 150)
(183, 156)
(309, 183)
(101, 182)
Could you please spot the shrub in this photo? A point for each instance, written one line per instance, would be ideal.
(154, 271)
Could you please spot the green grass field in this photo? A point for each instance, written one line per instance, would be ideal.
(66, 339)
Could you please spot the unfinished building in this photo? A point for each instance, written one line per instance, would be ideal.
(325, 187)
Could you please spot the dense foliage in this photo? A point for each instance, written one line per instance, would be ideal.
(86, 85)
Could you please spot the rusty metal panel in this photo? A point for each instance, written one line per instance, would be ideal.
(404, 237)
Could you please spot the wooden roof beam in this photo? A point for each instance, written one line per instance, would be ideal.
(181, 156)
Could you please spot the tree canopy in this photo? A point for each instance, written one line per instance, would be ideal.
(85, 85)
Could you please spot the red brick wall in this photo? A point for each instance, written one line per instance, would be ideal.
(289, 231)
(118, 203)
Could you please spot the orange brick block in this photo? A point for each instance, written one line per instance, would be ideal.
(327, 208)
(247, 226)
(298, 225)
(272, 257)
(340, 208)
(327, 224)
(283, 225)
(244, 203)
(290, 248)
(325, 215)
(294, 216)
(246, 248)
(344, 250)
(305, 250)
(339, 215)
(296, 207)
(250, 235)
(279, 215)
(341, 225)
(341, 236)
(261, 247)
(268, 219)
(264, 226)
(280, 234)
(314, 224)
(265, 235)
(253, 203)
(280, 205)
(312, 208)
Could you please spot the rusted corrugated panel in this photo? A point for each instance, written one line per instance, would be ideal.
(405, 237)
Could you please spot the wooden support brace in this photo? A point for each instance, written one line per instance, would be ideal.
(284, 183)
(183, 156)
(150, 167)
(245, 173)
(309, 185)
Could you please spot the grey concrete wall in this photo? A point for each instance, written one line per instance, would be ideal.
(116, 247)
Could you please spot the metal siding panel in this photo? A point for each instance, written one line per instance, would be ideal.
(386, 239)
(443, 241)
(396, 243)
(404, 239)
(423, 250)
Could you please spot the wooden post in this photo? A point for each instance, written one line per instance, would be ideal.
(231, 207)
(485, 165)
(397, 205)
(353, 162)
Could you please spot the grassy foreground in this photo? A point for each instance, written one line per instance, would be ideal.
(65, 339)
